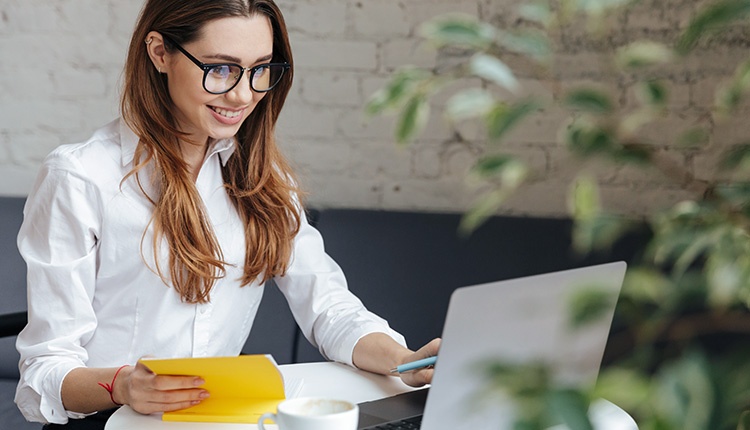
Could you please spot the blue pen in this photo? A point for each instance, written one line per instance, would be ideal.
(414, 365)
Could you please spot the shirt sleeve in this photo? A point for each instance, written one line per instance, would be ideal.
(58, 241)
(330, 316)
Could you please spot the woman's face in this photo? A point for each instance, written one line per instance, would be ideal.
(241, 40)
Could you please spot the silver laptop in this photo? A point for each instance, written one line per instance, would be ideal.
(516, 321)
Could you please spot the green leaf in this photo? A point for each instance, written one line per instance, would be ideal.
(696, 249)
(572, 408)
(736, 192)
(729, 97)
(531, 43)
(646, 285)
(632, 154)
(713, 18)
(653, 93)
(598, 7)
(725, 278)
(398, 89)
(641, 54)
(737, 157)
(584, 202)
(588, 305)
(413, 118)
(508, 168)
(742, 75)
(599, 232)
(510, 174)
(521, 379)
(481, 211)
(685, 393)
(627, 388)
(503, 118)
(470, 103)
(492, 69)
(461, 30)
(589, 139)
(538, 11)
(589, 100)
(694, 137)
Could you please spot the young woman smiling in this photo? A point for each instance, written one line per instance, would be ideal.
(156, 235)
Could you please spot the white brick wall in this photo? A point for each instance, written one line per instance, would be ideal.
(62, 61)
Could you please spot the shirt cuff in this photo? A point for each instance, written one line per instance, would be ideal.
(346, 350)
(46, 406)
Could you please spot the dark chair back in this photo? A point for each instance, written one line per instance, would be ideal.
(12, 284)
(405, 265)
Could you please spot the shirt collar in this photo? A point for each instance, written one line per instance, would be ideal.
(224, 147)
(129, 142)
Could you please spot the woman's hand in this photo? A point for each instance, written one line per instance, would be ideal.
(147, 392)
(420, 377)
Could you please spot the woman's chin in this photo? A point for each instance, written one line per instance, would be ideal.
(224, 132)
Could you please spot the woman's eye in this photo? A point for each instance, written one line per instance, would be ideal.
(261, 73)
(220, 72)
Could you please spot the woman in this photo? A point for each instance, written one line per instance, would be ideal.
(156, 235)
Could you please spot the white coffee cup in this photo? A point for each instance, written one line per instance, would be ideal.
(313, 413)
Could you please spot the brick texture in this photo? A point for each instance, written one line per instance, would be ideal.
(62, 63)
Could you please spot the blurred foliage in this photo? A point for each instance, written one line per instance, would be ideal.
(539, 402)
(681, 354)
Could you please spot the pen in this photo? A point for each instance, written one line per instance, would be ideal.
(425, 362)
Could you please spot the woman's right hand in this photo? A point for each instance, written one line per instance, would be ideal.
(147, 392)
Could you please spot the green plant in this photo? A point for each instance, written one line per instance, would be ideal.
(681, 362)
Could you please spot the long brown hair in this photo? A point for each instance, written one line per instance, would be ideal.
(257, 177)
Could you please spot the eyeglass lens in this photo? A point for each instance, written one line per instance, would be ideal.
(222, 78)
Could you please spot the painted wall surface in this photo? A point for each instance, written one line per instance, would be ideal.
(62, 63)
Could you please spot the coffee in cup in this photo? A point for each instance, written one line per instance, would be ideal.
(313, 413)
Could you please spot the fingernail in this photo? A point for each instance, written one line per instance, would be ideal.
(195, 402)
(204, 395)
(199, 381)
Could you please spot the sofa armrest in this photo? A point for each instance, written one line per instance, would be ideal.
(12, 323)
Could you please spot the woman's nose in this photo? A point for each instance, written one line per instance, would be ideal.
(242, 93)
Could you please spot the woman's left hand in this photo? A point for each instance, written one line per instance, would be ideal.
(420, 377)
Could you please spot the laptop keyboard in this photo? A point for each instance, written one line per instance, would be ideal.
(413, 423)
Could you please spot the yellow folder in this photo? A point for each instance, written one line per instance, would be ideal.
(242, 388)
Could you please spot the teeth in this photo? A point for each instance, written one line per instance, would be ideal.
(227, 113)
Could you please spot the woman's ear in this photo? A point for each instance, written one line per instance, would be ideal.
(156, 51)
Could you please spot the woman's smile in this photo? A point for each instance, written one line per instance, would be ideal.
(227, 116)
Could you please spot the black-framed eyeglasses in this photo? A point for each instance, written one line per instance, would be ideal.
(220, 78)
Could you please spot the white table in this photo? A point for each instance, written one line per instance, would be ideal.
(319, 379)
(339, 381)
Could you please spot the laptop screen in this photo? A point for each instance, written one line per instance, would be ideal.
(518, 321)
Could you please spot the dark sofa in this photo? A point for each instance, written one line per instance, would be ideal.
(403, 265)
(12, 311)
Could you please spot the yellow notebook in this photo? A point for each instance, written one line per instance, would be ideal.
(242, 388)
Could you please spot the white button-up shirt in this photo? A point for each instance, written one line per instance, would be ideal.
(96, 300)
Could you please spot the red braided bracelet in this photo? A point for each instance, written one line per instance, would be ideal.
(111, 387)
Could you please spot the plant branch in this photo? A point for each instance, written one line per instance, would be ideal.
(680, 329)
